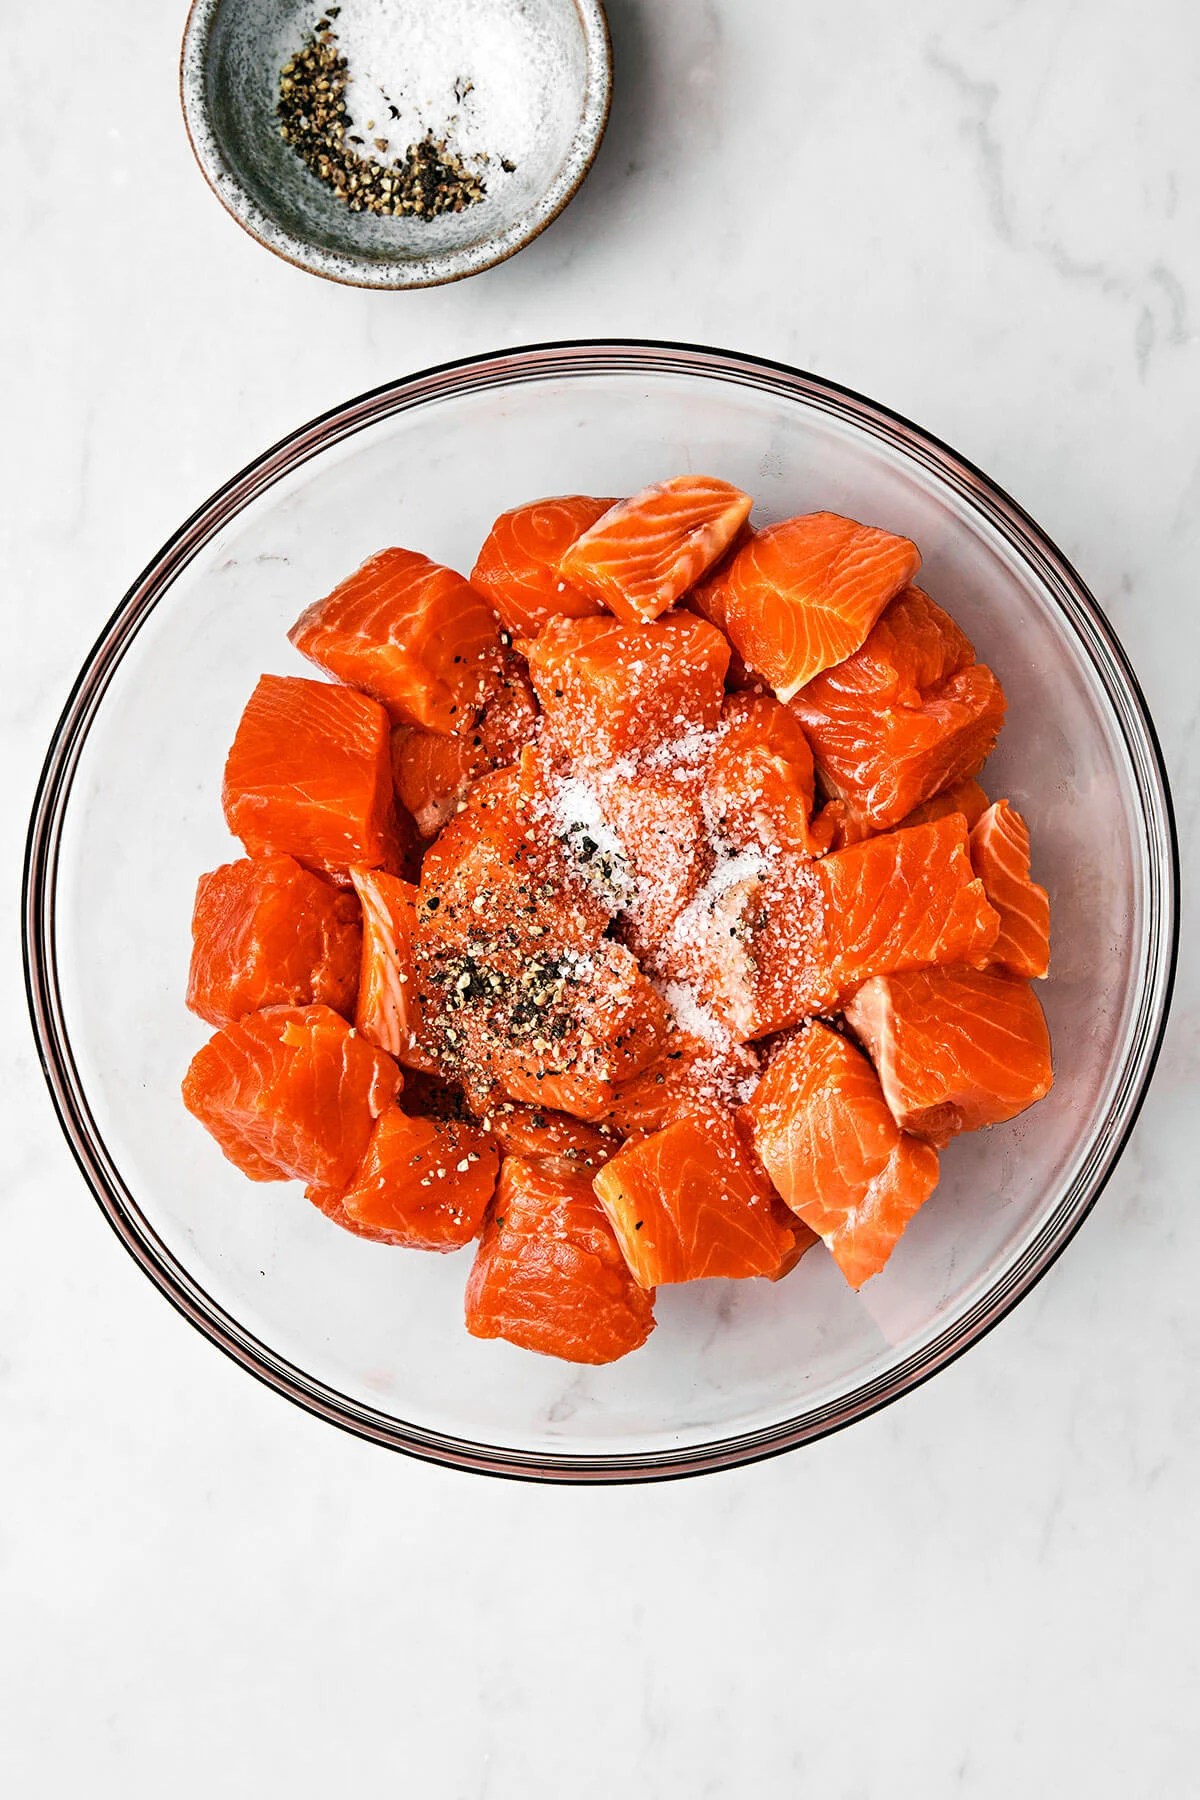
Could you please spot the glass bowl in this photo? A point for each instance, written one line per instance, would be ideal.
(128, 813)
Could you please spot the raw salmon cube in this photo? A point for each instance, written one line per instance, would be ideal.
(433, 772)
(1000, 857)
(423, 1183)
(413, 634)
(658, 821)
(825, 1135)
(903, 900)
(954, 1048)
(517, 569)
(803, 1239)
(388, 1012)
(691, 1202)
(709, 597)
(759, 787)
(965, 797)
(604, 1024)
(548, 1274)
(309, 776)
(291, 1092)
(610, 691)
(803, 594)
(271, 933)
(906, 715)
(554, 1140)
(690, 1077)
(647, 551)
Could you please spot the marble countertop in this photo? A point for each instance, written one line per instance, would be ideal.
(988, 217)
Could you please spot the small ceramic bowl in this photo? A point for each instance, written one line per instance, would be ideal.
(233, 52)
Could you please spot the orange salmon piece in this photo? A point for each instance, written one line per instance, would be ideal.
(965, 797)
(605, 1025)
(433, 773)
(1000, 857)
(548, 1275)
(954, 1048)
(835, 827)
(610, 691)
(709, 597)
(900, 901)
(908, 714)
(690, 1077)
(517, 570)
(389, 1006)
(647, 551)
(759, 789)
(563, 1145)
(271, 933)
(803, 594)
(291, 1092)
(423, 1183)
(803, 1239)
(659, 822)
(309, 776)
(414, 635)
(690, 1202)
(825, 1135)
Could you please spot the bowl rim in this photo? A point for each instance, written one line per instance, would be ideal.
(435, 270)
(533, 362)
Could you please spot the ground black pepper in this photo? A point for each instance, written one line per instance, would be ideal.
(426, 180)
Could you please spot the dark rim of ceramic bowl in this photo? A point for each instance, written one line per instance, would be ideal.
(1082, 618)
(399, 273)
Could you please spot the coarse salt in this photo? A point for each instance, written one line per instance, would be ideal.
(472, 72)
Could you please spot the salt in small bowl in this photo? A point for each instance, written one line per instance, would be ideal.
(557, 74)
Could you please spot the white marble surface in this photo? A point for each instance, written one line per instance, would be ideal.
(988, 216)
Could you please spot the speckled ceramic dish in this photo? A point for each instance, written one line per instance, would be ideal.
(233, 51)
(129, 812)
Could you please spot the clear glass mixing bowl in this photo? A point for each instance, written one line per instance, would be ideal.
(128, 814)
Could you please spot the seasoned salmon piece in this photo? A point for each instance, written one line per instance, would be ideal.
(271, 933)
(309, 776)
(825, 1135)
(803, 594)
(691, 1202)
(564, 1145)
(518, 572)
(658, 820)
(759, 786)
(903, 900)
(610, 691)
(433, 772)
(413, 634)
(908, 714)
(423, 1183)
(291, 1092)
(954, 1048)
(548, 1275)
(647, 551)
(1000, 857)
(600, 1022)
(690, 1077)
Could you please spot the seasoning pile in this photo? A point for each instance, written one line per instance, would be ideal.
(375, 102)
